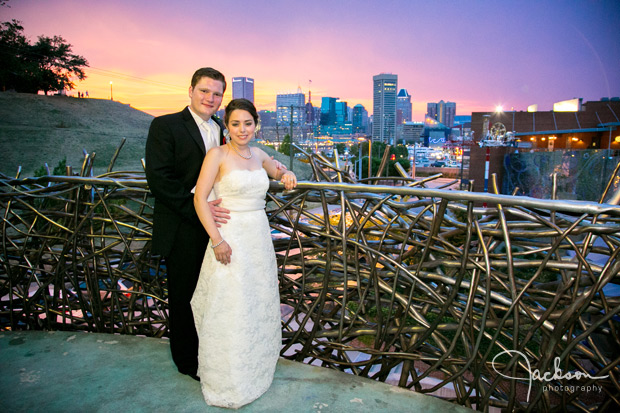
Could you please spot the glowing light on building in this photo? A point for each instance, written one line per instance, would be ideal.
(572, 105)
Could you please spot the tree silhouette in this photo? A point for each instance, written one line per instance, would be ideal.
(48, 65)
(341, 148)
(285, 147)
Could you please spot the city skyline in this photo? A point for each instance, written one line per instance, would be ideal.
(479, 54)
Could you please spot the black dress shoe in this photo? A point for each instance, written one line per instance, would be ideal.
(192, 375)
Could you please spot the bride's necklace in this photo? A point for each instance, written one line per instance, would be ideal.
(238, 153)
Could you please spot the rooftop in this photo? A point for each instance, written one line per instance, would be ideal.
(56, 371)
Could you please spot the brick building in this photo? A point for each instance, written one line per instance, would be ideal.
(595, 126)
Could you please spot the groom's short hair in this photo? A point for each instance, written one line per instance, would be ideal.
(209, 72)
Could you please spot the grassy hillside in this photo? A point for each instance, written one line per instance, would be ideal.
(37, 129)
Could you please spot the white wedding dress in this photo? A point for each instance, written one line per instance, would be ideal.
(237, 306)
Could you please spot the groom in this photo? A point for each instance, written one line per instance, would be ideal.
(175, 148)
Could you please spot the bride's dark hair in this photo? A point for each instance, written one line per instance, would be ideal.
(242, 104)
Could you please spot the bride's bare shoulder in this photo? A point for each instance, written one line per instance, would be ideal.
(218, 152)
(261, 153)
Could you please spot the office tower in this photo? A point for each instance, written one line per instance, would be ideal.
(334, 117)
(328, 110)
(341, 113)
(384, 107)
(360, 119)
(403, 107)
(431, 110)
(267, 118)
(291, 102)
(243, 87)
(449, 112)
(313, 115)
(313, 118)
(443, 112)
(412, 132)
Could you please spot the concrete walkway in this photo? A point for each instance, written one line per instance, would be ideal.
(83, 372)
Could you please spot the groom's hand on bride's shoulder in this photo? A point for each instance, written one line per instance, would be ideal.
(220, 215)
(279, 166)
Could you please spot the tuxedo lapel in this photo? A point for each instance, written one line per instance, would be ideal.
(193, 130)
(222, 127)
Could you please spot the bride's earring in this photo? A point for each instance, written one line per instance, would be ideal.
(257, 127)
(227, 135)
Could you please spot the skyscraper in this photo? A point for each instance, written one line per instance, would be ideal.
(431, 110)
(448, 113)
(403, 107)
(311, 113)
(360, 119)
(328, 110)
(443, 112)
(384, 107)
(243, 87)
(334, 117)
(295, 102)
(342, 113)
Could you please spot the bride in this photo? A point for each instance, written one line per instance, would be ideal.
(236, 303)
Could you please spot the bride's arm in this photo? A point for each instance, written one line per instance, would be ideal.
(208, 173)
(285, 176)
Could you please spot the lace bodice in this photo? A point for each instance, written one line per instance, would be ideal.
(242, 189)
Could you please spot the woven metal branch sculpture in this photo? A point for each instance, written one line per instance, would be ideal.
(422, 288)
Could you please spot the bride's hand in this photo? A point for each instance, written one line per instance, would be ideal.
(289, 180)
(222, 253)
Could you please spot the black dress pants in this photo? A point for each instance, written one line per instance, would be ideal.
(183, 268)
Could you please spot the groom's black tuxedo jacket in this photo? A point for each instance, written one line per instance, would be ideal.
(174, 154)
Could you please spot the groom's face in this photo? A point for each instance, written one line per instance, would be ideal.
(206, 97)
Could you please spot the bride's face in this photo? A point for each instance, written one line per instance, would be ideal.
(241, 127)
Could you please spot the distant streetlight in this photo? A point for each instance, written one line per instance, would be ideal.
(359, 156)
(111, 95)
(369, 158)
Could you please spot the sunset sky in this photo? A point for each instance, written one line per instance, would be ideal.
(478, 54)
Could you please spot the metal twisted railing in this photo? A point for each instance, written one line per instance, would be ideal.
(423, 288)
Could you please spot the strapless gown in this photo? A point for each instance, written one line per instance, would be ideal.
(237, 306)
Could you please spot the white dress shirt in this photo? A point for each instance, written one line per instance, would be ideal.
(210, 132)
